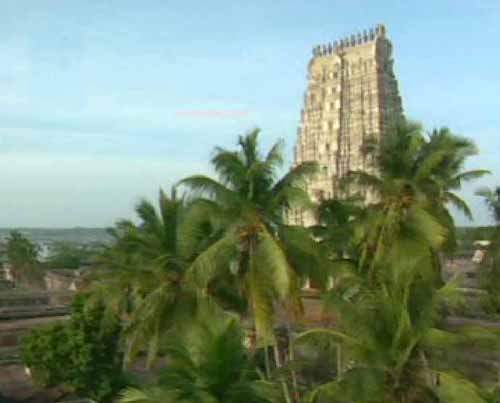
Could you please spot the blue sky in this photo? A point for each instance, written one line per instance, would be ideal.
(102, 102)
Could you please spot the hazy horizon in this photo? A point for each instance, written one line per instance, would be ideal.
(101, 103)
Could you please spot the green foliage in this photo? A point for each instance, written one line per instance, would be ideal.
(393, 349)
(489, 275)
(20, 250)
(417, 179)
(387, 294)
(67, 255)
(142, 274)
(82, 354)
(250, 203)
(229, 243)
(471, 234)
(43, 351)
(490, 266)
(466, 236)
(22, 255)
(492, 396)
(211, 365)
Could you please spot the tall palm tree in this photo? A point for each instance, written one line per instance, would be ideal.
(394, 348)
(442, 159)
(251, 203)
(142, 274)
(212, 365)
(414, 182)
(388, 320)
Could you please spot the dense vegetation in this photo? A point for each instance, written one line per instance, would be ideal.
(22, 255)
(209, 282)
(77, 235)
(490, 271)
(68, 255)
(82, 355)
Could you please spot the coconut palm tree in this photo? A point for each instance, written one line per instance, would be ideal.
(142, 274)
(211, 365)
(394, 348)
(251, 203)
(413, 184)
(442, 159)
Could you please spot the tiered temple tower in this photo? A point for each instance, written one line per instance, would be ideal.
(352, 96)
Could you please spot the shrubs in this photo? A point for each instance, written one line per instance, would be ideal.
(82, 354)
(67, 255)
(490, 276)
(22, 255)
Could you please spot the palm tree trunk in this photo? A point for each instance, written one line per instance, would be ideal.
(286, 392)
(427, 372)
(339, 361)
(266, 362)
(378, 249)
(291, 358)
(251, 249)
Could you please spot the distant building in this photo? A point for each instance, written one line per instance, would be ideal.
(352, 96)
(44, 250)
(61, 279)
(467, 264)
(481, 247)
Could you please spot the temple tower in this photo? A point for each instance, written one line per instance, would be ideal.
(352, 96)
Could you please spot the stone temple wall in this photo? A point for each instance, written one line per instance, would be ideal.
(352, 96)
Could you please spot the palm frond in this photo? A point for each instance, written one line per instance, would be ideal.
(485, 192)
(296, 176)
(201, 225)
(204, 185)
(441, 339)
(363, 179)
(261, 300)
(459, 204)
(274, 157)
(455, 389)
(430, 164)
(229, 166)
(249, 147)
(426, 226)
(470, 175)
(149, 395)
(325, 336)
(204, 267)
(271, 257)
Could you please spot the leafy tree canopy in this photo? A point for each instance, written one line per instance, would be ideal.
(82, 354)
